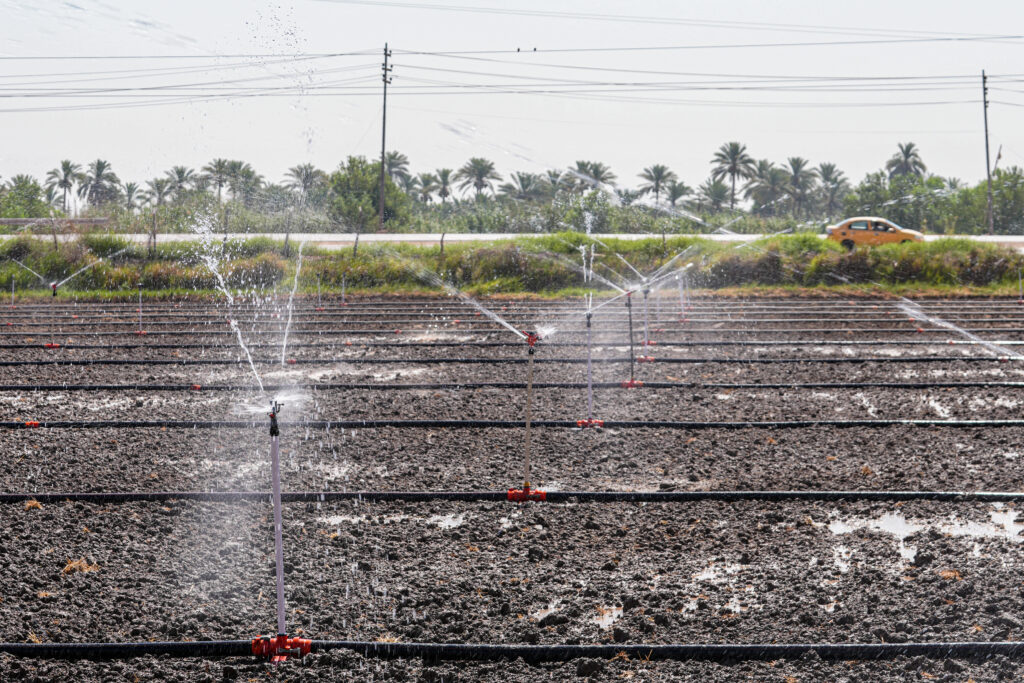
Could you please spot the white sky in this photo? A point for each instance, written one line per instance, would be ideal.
(529, 132)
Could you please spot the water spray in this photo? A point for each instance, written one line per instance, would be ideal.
(646, 292)
(319, 304)
(526, 493)
(343, 302)
(1020, 288)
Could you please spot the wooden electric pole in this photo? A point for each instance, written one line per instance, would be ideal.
(988, 165)
(385, 75)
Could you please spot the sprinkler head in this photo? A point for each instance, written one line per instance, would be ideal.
(532, 338)
(53, 286)
(280, 647)
(275, 408)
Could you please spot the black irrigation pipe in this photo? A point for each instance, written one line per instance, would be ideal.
(103, 497)
(532, 653)
(511, 360)
(380, 386)
(498, 424)
(519, 344)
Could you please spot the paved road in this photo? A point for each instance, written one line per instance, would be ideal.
(342, 240)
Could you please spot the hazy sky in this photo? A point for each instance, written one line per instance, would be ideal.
(628, 108)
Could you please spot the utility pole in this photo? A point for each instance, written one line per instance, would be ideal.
(988, 165)
(385, 75)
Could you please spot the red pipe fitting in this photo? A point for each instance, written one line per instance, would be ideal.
(526, 494)
(398, 332)
(583, 424)
(291, 361)
(51, 345)
(32, 423)
(319, 308)
(281, 647)
(531, 338)
(649, 342)
(632, 384)
(140, 332)
(645, 359)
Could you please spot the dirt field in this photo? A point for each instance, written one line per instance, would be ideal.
(499, 572)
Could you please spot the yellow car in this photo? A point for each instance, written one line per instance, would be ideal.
(870, 231)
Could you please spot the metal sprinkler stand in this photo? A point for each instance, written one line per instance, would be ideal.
(633, 382)
(647, 338)
(140, 330)
(281, 647)
(590, 421)
(53, 286)
(526, 493)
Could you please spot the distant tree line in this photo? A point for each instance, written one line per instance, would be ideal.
(740, 194)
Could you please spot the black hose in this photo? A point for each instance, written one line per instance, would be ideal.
(102, 497)
(531, 653)
(510, 360)
(496, 424)
(455, 386)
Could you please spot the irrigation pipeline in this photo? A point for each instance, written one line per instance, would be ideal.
(459, 386)
(501, 424)
(507, 344)
(715, 652)
(511, 360)
(103, 497)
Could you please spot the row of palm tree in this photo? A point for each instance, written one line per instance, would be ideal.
(794, 186)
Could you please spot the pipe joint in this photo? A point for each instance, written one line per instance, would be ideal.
(280, 647)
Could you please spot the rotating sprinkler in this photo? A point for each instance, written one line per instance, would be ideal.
(526, 493)
(646, 291)
(281, 646)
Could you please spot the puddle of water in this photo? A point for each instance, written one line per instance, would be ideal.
(551, 607)
(606, 616)
(1004, 524)
(841, 556)
(336, 520)
(447, 521)
(717, 573)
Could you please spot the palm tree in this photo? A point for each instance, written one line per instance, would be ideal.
(304, 178)
(64, 178)
(428, 184)
(181, 177)
(676, 190)
(732, 160)
(834, 187)
(907, 161)
(99, 184)
(591, 174)
(444, 183)
(396, 165)
(477, 173)
(802, 180)
(410, 184)
(247, 183)
(132, 195)
(523, 187)
(767, 187)
(712, 195)
(218, 170)
(657, 177)
(51, 197)
(159, 190)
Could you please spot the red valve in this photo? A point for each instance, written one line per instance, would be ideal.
(196, 387)
(51, 345)
(319, 308)
(398, 332)
(632, 384)
(291, 361)
(140, 332)
(645, 359)
(74, 316)
(279, 648)
(456, 322)
(33, 423)
(650, 342)
(526, 493)
(920, 329)
(583, 424)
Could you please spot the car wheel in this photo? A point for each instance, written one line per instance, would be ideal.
(848, 244)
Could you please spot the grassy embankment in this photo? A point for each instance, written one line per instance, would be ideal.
(783, 265)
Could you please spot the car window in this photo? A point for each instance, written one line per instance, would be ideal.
(859, 225)
(881, 227)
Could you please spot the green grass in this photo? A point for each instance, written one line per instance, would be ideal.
(525, 265)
